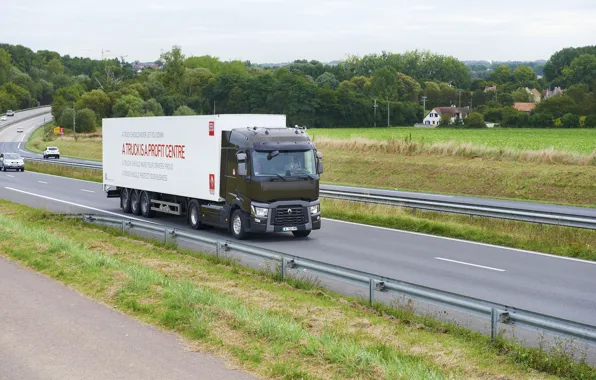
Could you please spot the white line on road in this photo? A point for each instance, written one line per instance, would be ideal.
(78, 205)
(87, 191)
(45, 183)
(470, 264)
(11, 176)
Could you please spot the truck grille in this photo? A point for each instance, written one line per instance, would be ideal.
(289, 216)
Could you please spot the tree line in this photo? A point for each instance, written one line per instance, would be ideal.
(376, 89)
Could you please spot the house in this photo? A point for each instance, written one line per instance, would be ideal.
(492, 88)
(434, 116)
(557, 91)
(536, 96)
(524, 107)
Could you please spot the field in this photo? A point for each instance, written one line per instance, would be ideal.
(88, 147)
(582, 141)
(276, 329)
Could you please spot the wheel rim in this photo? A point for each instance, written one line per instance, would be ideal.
(237, 225)
(194, 216)
(134, 202)
(125, 198)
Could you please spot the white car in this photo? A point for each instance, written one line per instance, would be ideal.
(4, 118)
(20, 130)
(51, 151)
(11, 161)
(10, 113)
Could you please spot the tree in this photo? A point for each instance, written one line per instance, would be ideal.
(327, 78)
(128, 106)
(22, 96)
(522, 95)
(86, 121)
(570, 121)
(97, 101)
(541, 120)
(174, 69)
(581, 70)
(445, 120)
(5, 65)
(153, 108)
(7, 101)
(55, 67)
(557, 105)
(475, 120)
(407, 88)
(524, 75)
(184, 111)
(66, 118)
(590, 121)
(502, 74)
(237, 102)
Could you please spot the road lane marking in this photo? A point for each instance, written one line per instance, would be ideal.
(461, 241)
(45, 183)
(470, 264)
(11, 176)
(87, 191)
(78, 205)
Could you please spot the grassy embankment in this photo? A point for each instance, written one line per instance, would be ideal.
(87, 146)
(278, 330)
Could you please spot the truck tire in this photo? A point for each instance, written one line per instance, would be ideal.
(237, 225)
(135, 202)
(125, 200)
(194, 215)
(146, 205)
(301, 234)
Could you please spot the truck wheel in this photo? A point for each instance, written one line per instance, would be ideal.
(146, 205)
(194, 215)
(125, 200)
(301, 234)
(237, 225)
(135, 202)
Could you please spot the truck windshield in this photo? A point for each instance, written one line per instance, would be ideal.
(286, 163)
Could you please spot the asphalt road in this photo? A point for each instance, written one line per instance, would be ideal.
(49, 331)
(552, 285)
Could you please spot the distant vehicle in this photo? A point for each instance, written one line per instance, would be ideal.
(244, 173)
(51, 151)
(11, 161)
(4, 118)
(20, 130)
(10, 113)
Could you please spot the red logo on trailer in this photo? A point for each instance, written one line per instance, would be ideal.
(211, 128)
(212, 183)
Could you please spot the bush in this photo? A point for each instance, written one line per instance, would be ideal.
(86, 121)
(541, 120)
(184, 111)
(570, 121)
(445, 120)
(516, 120)
(66, 118)
(475, 120)
(590, 121)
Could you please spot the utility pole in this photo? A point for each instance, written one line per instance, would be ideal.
(424, 106)
(387, 111)
(74, 121)
(375, 107)
(459, 91)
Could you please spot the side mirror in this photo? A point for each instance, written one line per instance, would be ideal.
(319, 163)
(241, 164)
(275, 153)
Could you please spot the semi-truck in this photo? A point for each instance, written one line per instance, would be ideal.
(246, 173)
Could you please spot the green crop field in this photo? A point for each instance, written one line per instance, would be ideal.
(581, 141)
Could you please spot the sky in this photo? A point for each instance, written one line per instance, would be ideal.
(274, 31)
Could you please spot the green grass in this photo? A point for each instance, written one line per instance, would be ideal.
(263, 325)
(571, 242)
(582, 141)
(88, 146)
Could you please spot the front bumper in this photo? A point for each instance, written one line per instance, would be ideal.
(268, 225)
(14, 166)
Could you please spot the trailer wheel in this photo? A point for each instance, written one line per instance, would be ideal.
(237, 225)
(135, 202)
(194, 215)
(125, 200)
(301, 234)
(146, 205)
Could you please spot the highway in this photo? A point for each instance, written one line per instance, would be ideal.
(557, 286)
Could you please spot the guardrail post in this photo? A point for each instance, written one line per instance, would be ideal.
(217, 248)
(123, 226)
(494, 323)
(165, 235)
(371, 291)
(284, 262)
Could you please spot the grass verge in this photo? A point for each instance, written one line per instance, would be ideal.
(563, 241)
(87, 146)
(275, 329)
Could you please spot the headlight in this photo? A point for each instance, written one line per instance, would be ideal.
(260, 212)
(315, 209)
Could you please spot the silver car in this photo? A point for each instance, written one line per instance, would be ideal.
(11, 161)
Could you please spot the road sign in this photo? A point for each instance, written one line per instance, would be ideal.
(58, 130)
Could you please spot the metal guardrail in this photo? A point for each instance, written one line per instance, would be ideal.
(43, 111)
(496, 313)
(559, 219)
(541, 217)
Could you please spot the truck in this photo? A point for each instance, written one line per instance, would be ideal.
(245, 173)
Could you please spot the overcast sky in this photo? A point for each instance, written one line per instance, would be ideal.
(282, 30)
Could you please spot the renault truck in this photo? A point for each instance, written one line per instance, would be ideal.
(243, 173)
